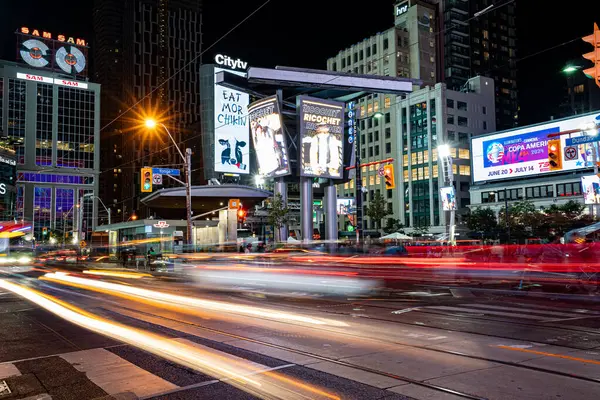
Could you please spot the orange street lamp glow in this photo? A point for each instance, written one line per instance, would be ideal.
(150, 124)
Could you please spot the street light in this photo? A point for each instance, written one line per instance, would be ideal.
(101, 202)
(187, 165)
(569, 70)
(378, 115)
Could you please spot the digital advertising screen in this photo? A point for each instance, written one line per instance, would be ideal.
(591, 189)
(321, 131)
(346, 206)
(268, 137)
(41, 49)
(232, 138)
(524, 152)
(448, 198)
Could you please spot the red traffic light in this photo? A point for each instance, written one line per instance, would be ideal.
(241, 213)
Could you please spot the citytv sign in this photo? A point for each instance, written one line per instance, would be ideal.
(227, 61)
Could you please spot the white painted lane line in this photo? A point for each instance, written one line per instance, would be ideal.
(475, 311)
(518, 309)
(115, 374)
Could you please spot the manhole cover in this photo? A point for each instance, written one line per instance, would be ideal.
(4, 390)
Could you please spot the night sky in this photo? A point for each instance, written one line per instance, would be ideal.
(305, 34)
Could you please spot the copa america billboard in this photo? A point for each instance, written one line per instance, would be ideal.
(321, 128)
(524, 152)
(232, 146)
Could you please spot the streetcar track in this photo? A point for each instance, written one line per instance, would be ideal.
(371, 370)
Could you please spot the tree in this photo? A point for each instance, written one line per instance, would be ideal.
(524, 220)
(278, 215)
(483, 221)
(377, 209)
(560, 219)
(420, 229)
(393, 225)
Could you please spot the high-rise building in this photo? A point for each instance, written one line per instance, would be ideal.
(480, 44)
(138, 46)
(410, 128)
(53, 121)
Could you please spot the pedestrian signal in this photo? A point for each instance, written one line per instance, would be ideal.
(146, 180)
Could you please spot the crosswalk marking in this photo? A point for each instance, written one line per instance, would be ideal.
(7, 370)
(533, 310)
(116, 375)
(499, 313)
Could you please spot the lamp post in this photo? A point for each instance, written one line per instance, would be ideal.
(448, 177)
(187, 165)
(101, 202)
(569, 70)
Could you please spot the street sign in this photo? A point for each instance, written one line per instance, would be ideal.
(166, 171)
(381, 171)
(161, 224)
(581, 140)
(234, 204)
(82, 244)
(570, 153)
(157, 179)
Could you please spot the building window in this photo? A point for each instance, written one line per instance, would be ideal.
(389, 193)
(376, 151)
(343, 63)
(461, 105)
(387, 102)
(463, 154)
(486, 55)
(485, 125)
(43, 140)
(76, 114)
(17, 99)
(63, 213)
(361, 55)
(449, 103)
(368, 52)
(484, 109)
(334, 66)
(387, 118)
(386, 44)
(388, 133)
(388, 148)
(568, 189)
(434, 168)
(464, 170)
(42, 202)
(463, 121)
(488, 197)
(511, 194)
(579, 88)
(370, 152)
(374, 48)
(463, 137)
(450, 119)
(539, 191)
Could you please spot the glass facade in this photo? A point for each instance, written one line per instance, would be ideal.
(42, 206)
(20, 203)
(87, 218)
(17, 98)
(43, 136)
(63, 210)
(76, 113)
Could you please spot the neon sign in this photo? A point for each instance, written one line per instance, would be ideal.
(48, 35)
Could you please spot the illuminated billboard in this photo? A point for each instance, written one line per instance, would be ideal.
(346, 206)
(524, 152)
(448, 197)
(232, 140)
(321, 131)
(591, 189)
(41, 49)
(268, 137)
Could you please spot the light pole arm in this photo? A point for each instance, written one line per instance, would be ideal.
(174, 143)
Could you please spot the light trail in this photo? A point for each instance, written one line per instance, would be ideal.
(240, 373)
(118, 274)
(157, 297)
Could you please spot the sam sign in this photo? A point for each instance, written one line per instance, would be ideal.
(232, 146)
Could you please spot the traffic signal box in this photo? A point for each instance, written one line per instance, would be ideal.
(241, 214)
(146, 180)
(594, 56)
(554, 155)
(388, 175)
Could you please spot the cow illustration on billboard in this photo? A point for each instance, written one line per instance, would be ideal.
(237, 159)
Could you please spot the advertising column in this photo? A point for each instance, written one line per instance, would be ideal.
(321, 132)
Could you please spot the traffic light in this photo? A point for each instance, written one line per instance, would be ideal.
(241, 214)
(594, 56)
(554, 155)
(44, 231)
(146, 180)
(388, 175)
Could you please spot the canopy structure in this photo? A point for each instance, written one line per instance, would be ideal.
(397, 236)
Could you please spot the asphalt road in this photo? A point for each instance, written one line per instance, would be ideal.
(153, 338)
